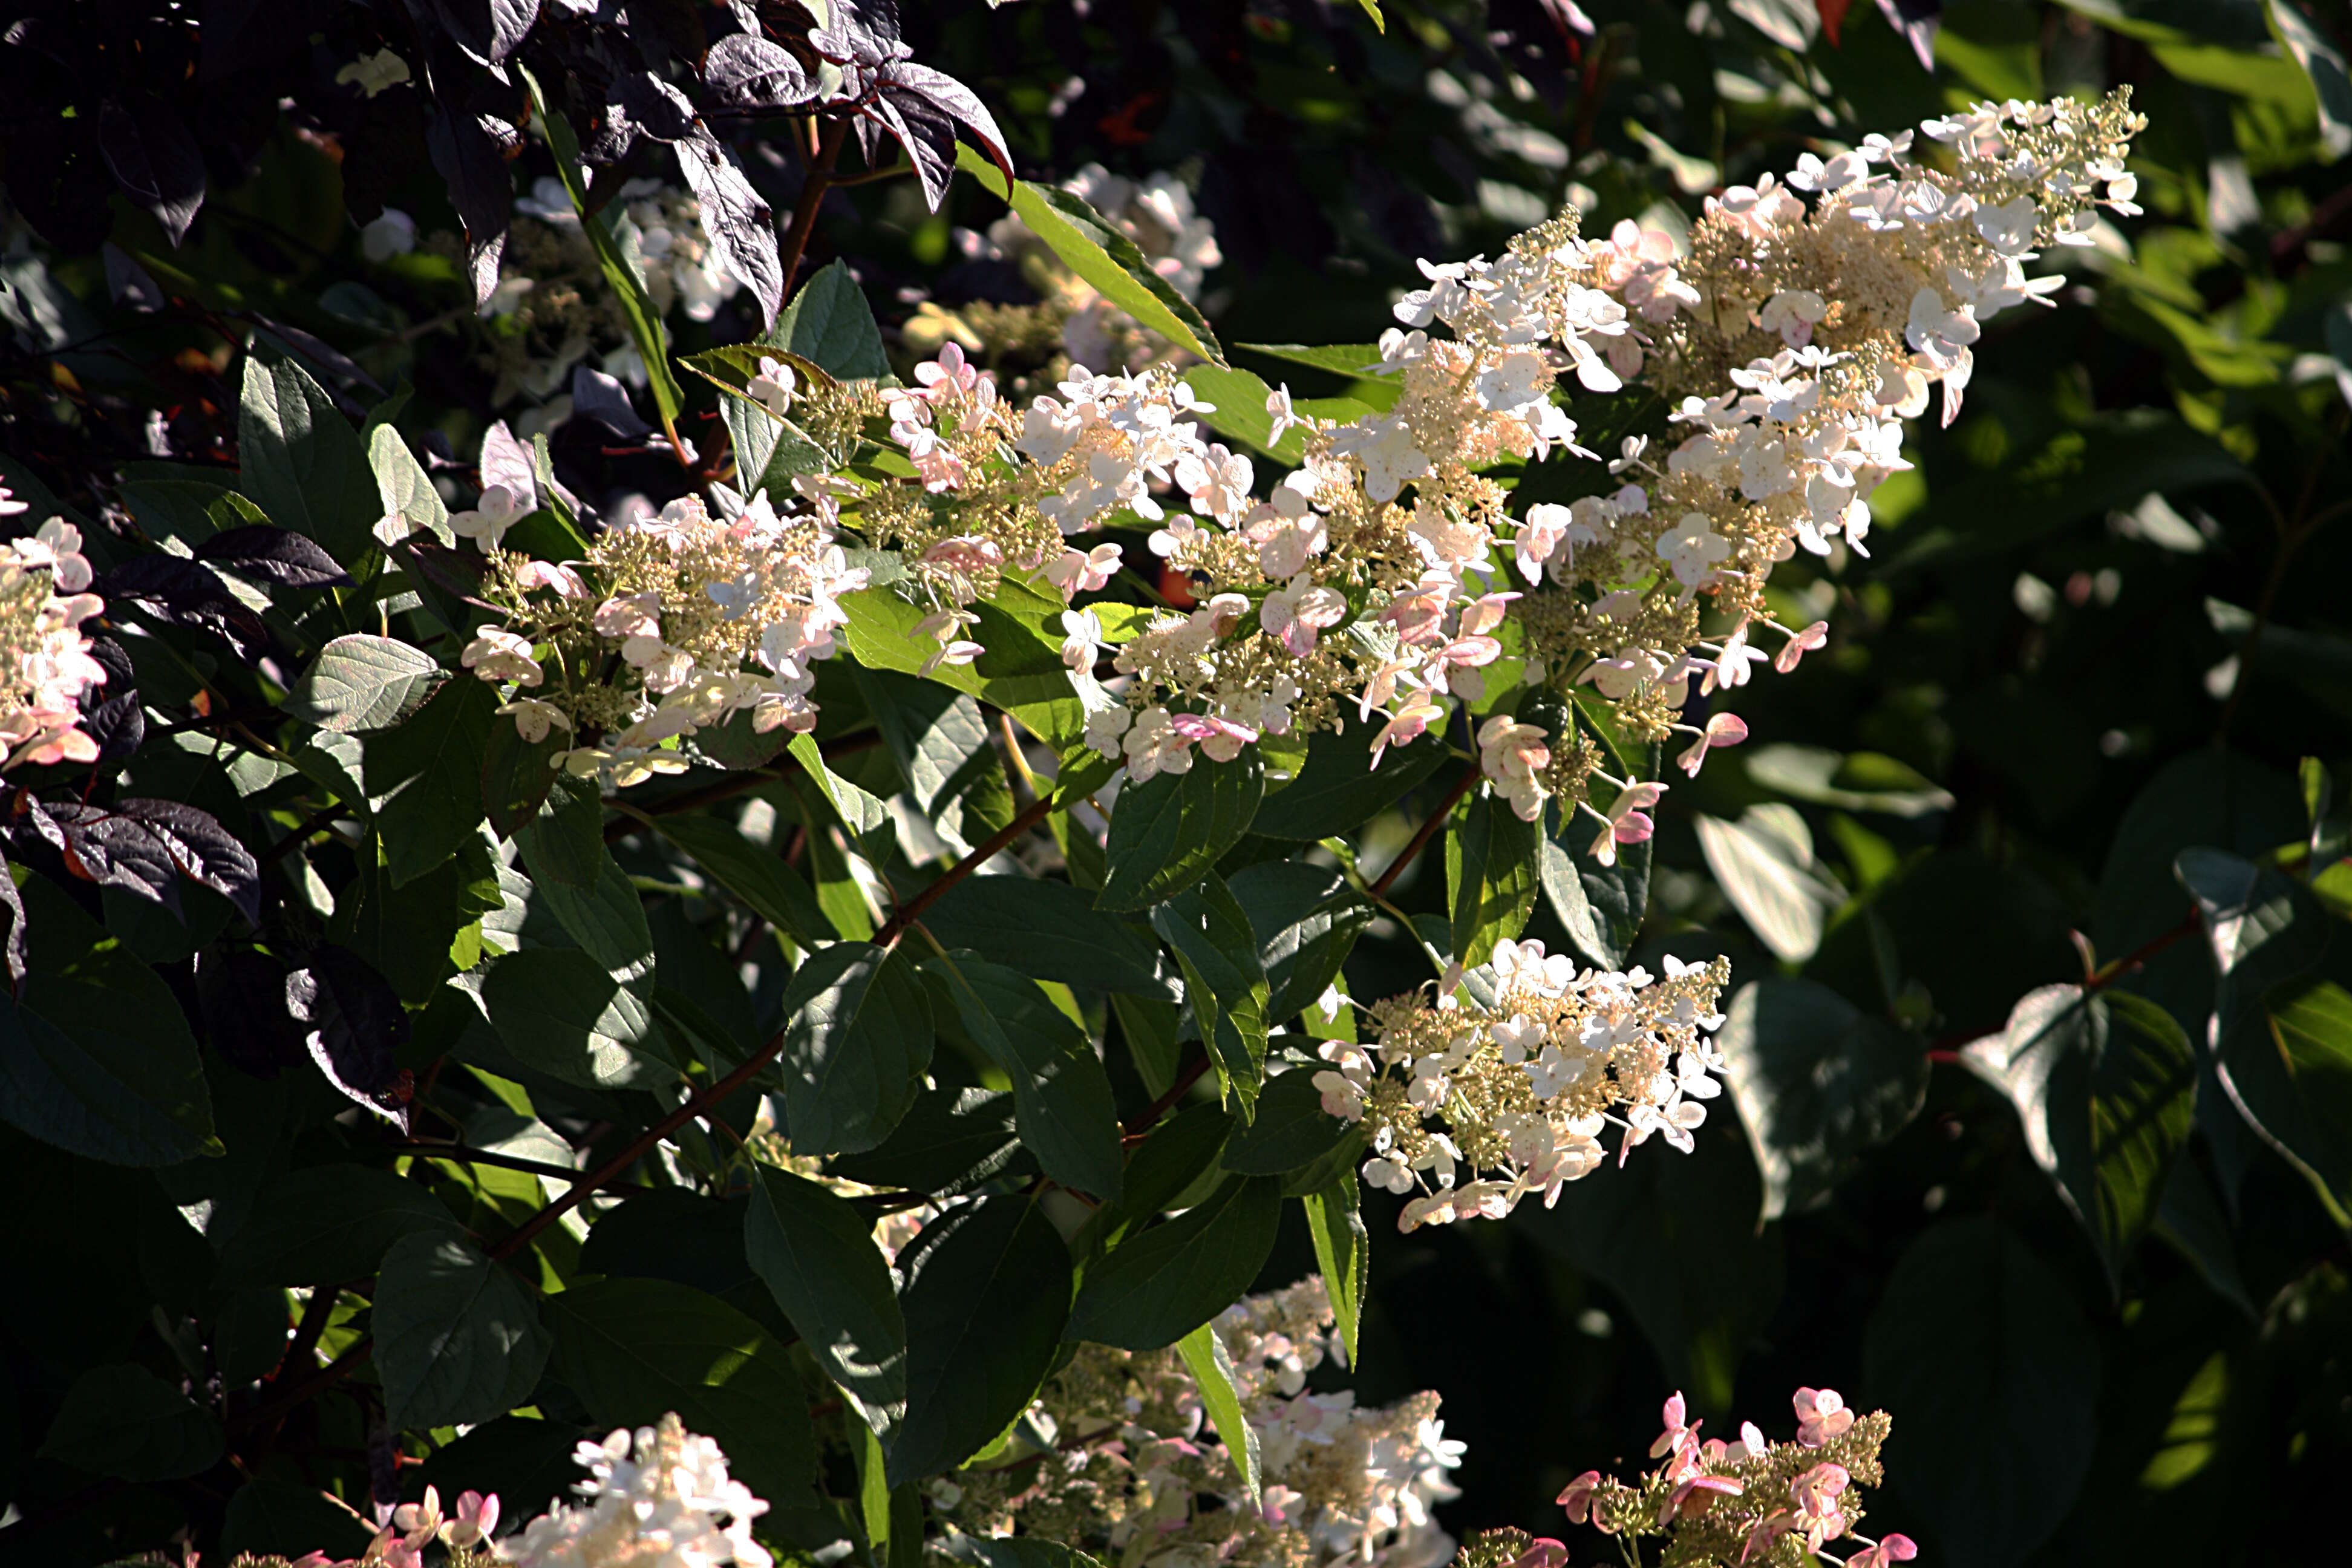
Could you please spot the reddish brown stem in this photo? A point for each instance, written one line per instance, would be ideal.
(1427, 831)
(912, 910)
(1136, 1125)
(820, 179)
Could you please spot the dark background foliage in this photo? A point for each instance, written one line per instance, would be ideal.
(2101, 625)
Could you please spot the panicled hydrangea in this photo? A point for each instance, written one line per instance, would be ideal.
(674, 620)
(1733, 1501)
(45, 660)
(659, 1498)
(1130, 1469)
(552, 310)
(1375, 583)
(1508, 1085)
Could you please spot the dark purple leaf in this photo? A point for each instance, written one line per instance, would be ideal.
(241, 34)
(57, 179)
(129, 283)
(268, 553)
(1917, 20)
(338, 364)
(11, 905)
(487, 29)
(603, 398)
(203, 850)
(864, 34)
(117, 723)
(241, 993)
(185, 593)
(657, 109)
(111, 851)
(356, 1027)
(469, 159)
(739, 223)
(904, 82)
(927, 133)
(155, 159)
(744, 70)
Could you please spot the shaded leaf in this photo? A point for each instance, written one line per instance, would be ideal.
(155, 159)
(458, 1337)
(1205, 927)
(303, 464)
(856, 1040)
(1162, 1283)
(1062, 1097)
(1213, 1373)
(273, 555)
(354, 1029)
(1168, 830)
(816, 1252)
(561, 1012)
(123, 1421)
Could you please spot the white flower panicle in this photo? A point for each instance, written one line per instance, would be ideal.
(1508, 1085)
(659, 1498)
(45, 660)
(674, 620)
(1130, 1470)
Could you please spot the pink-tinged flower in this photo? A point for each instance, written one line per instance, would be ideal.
(563, 579)
(1751, 1437)
(948, 376)
(419, 1522)
(1815, 1494)
(1676, 1434)
(497, 655)
(477, 1519)
(631, 616)
(1722, 729)
(1541, 1553)
(1801, 644)
(1296, 611)
(1822, 1414)
(1896, 1548)
(1417, 616)
(1220, 740)
(1768, 1530)
(1695, 1494)
(1284, 413)
(499, 510)
(1579, 1496)
(1628, 822)
(1419, 712)
(1077, 572)
(966, 555)
(1483, 614)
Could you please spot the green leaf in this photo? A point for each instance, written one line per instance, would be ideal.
(816, 1252)
(856, 1040)
(2283, 1015)
(1862, 781)
(871, 832)
(987, 1294)
(1764, 863)
(1101, 254)
(564, 841)
(457, 1338)
(2323, 60)
(96, 1056)
(620, 270)
(1022, 672)
(403, 486)
(1223, 981)
(1291, 1130)
(285, 1519)
(562, 1012)
(1148, 1027)
(1306, 920)
(423, 778)
(328, 1224)
(406, 931)
(941, 743)
(830, 324)
(1062, 1097)
(362, 682)
(951, 1142)
(2105, 1084)
(1343, 1254)
(770, 888)
(1170, 829)
(1176, 1165)
(2191, 1219)
(1052, 930)
(1337, 790)
(1491, 877)
(1236, 409)
(606, 920)
(633, 1349)
(1817, 1082)
(1161, 1283)
(516, 776)
(303, 464)
(1213, 1372)
(1985, 1354)
(1601, 906)
(123, 1421)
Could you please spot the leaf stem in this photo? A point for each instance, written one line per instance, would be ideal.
(913, 908)
(1427, 831)
(813, 189)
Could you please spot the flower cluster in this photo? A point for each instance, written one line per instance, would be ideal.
(1745, 1500)
(45, 659)
(1124, 1466)
(551, 309)
(661, 1495)
(464, 1534)
(674, 620)
(1505, 1086)
(1374, 582)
